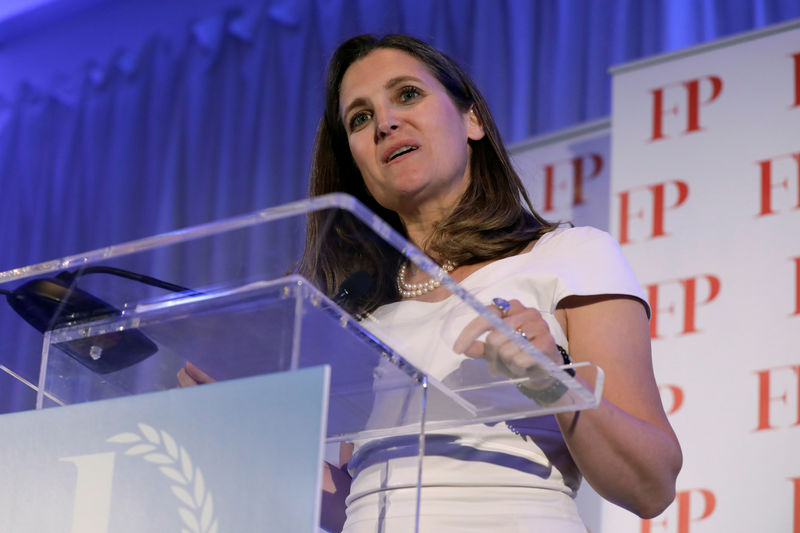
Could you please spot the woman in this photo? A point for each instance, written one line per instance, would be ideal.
(407, 133)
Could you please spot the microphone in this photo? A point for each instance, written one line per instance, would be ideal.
(353, 289)
(52, 303)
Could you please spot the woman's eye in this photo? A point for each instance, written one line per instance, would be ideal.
(358, 120)
(408, 94)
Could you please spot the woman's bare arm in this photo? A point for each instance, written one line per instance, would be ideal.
(335, 488)
(626, 448)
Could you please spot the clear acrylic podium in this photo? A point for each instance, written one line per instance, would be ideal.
(227, 300)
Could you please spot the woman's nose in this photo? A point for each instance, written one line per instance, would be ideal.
(387, 123)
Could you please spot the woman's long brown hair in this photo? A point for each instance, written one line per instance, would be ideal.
(494, 218)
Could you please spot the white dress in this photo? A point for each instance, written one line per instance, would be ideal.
(484, 477)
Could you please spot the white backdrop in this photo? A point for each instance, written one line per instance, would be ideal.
(566, 173)
(705, 171)
(705, 200)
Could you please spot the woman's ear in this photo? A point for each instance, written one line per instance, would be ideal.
(474, 125)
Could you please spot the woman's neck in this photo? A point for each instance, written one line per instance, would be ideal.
(420, 217)
(421, 224)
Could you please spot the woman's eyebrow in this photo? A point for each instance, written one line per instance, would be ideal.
(355, 103)
(400, 79)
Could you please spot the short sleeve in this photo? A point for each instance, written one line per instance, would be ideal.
(588, 262)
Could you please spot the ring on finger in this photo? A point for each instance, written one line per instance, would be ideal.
(502, 305)
(522, 333)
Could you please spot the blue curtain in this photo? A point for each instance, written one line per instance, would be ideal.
(163, 137)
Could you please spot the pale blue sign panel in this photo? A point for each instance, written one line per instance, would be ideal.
(242, 455)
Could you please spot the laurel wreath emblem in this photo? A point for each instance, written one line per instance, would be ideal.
(159, 448)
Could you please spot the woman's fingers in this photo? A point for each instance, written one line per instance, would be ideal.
(502, 355)
(190, 375)
(184, 379)
(197, 374)
(467, 341)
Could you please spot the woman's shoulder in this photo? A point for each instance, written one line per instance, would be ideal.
(586, 261)
(575, 239)
(571, 250)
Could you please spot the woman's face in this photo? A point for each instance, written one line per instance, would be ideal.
(406, 135)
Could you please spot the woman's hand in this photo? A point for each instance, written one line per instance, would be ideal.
(502, 355)
(625, 448)
(190, 375)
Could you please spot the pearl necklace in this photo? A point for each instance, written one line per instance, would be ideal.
(410, 290)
